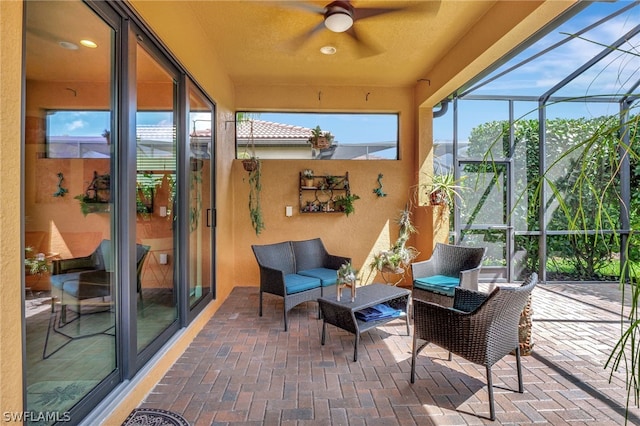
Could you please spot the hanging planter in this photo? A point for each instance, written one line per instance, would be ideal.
(250, 161)
(250, 164)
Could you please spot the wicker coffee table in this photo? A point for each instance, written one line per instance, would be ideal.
(343, 314)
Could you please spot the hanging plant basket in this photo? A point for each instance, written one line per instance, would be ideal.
(250, 164)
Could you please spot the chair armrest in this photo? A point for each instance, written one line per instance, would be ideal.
(425, 268)
(272, 281)
(432, 319)
(469, 278)
(64, 266)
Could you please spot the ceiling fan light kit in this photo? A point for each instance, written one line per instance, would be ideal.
(338, 22)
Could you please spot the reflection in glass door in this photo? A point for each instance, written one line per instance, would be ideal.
(155, 198)
(200, 213)
(70, 308)
(484, 218)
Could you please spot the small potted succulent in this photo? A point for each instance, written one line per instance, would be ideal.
(307, 176)
(346, 278)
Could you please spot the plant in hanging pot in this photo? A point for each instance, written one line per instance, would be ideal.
(249, 158)
(443, 189)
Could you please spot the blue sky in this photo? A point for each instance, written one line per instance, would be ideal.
(346, 128)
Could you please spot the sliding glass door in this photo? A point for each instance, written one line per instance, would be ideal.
(156, 215)
(118, 211)
(69, 156)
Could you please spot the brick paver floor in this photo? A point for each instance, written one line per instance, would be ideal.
(243, 369)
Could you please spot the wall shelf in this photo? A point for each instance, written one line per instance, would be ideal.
(318, 195)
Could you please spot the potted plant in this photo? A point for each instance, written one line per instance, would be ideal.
(443, 189)
(399, 256)
(344, 203)
(35, 264)
(307, 175)
(320, 139)
(346, 273)
(346, 278)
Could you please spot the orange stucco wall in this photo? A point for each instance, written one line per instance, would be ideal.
(373, 225)
(10, 235)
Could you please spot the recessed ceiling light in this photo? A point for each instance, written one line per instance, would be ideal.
(88, 43)
(328, 50)
(68, 45)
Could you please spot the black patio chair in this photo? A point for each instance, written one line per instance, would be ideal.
(481, 328)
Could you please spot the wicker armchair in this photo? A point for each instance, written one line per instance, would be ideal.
(81, 278)
(482, 328)
(450, 266)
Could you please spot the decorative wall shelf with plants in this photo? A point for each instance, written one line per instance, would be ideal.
(97, 197)
(325, 193)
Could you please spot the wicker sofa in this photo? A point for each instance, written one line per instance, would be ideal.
(297, 271)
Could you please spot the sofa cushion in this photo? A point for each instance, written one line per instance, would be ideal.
(295, 283)
(326, 276)
(438, 284)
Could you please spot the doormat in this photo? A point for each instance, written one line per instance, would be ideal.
(154, 417)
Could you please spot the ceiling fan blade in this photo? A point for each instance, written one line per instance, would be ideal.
(368, 12)
(366, 47)
(298, 41)
(302, 6)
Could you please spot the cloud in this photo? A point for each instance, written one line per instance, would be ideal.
(75, 125)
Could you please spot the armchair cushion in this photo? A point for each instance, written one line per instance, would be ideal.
(326, 276)
(295, 283)
(441, 284)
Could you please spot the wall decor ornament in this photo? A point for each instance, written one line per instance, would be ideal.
(61, 191)
(378, 191)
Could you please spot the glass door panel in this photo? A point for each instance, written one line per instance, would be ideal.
(155, 198)
(200, 213)
(69, 154)
(484, 218)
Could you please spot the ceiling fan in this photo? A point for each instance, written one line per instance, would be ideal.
(341, 16)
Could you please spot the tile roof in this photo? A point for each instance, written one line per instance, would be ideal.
(269, 130)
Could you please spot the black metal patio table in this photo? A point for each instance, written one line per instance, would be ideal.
(342, 314)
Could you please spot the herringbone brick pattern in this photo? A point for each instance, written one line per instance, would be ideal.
(243, 369)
